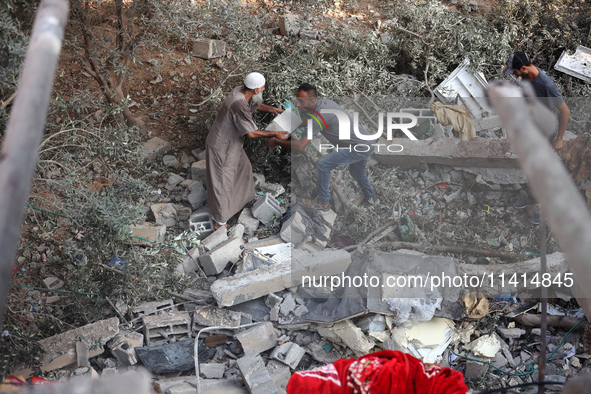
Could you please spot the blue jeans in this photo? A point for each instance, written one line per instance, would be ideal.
(356, 161)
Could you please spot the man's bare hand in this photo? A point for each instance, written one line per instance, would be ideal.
(282, 135)
(558, 144)
(273, 142)
(277, 110)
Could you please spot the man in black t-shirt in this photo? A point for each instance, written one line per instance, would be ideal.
(546, 90)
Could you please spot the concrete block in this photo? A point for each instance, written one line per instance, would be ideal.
(166, 327)
(214, 239)
(182, 388)
(249, 222)
(289, 24)
(256, 376)
(182, 212)
(268, 255)
(123, 347)
(266, 208)
(288, 353)
(272, 300)
(154, 148)
(153, 307)
(209, 49)
(257, 339)
(197, 195)
(236, 231)
(212, 370)
(201, 221)
(288, 305)
(270, 279)
(501, 176)
(173, 180)
(261, 243)
(491, 122)
(60, 350)
(280, 373)
(474, 370)
(294, 230)
(150, 231)
(207, 316)
(353, 337)
(198, 171)
(216, 260)
(164, 214)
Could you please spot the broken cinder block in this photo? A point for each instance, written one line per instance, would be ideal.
(249, 222)
(153, 307)
(212, 370)
(167, 327)
(208, 316)
(288, 353)
(258, 338)
(201, 221)
(123, 347)
(164, 214)
(209, 49)
(266, 208)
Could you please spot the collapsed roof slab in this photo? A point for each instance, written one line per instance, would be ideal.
(446, 151)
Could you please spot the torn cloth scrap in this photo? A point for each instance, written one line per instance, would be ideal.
(376, 373)
(456, 115)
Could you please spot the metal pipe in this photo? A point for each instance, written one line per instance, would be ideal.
(25, 129)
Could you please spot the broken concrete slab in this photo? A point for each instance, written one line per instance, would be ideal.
(170, 161)
(426, 340)
(212, 370)
(294, 229)
(166, 327)
(148, 233)
(269, 279)
(154, 148)
(60, 350)
(164, 214)
(447, 151)
(173, 357)
(183, 212)
(485, 346)
(123, 347)
(257, 339)
(268, 255)
(256, 376)
(209, 49)
(288, 353)
(216, 260)
(510, 333)
(236, 231)
(249, 222)
(208, 316)
(576, 64)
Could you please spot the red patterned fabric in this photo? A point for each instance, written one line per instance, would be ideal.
(378, 373)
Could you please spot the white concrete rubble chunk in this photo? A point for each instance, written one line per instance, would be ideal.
(153, 307)
(485, 346)
(148, 231)
(60, 350)
(508, 333)
(164, 214)
(154, 148)
(288, 353)
(256, 376)
(236, 231)
(258, 338)
(270, 279)
(216, 260)
(353, 337)
(212, 370)
(214, 239)
(249, 222)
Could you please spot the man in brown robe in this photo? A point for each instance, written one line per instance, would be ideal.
(230, 184)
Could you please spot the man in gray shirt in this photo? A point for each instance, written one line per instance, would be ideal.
(351, 150)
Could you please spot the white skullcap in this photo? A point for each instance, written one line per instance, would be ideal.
(254, 81)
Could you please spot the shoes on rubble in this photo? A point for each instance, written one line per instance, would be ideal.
(524, 202)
